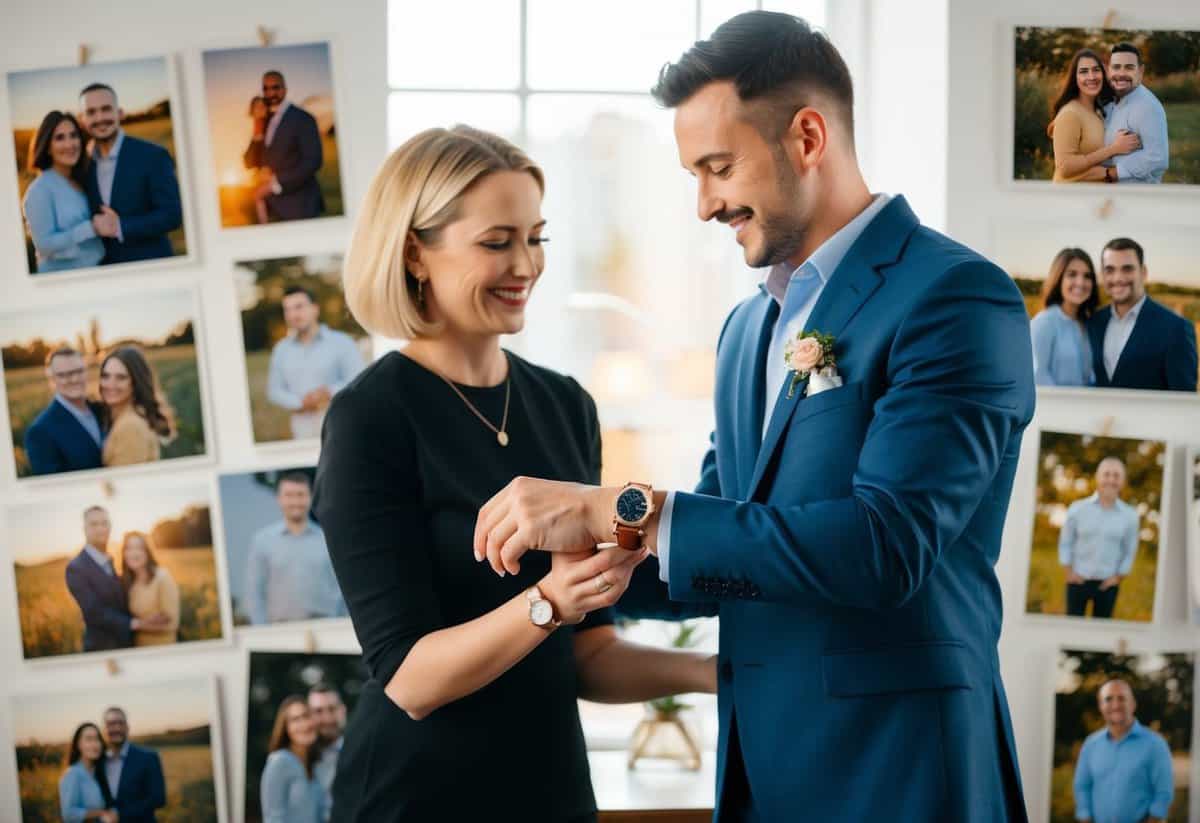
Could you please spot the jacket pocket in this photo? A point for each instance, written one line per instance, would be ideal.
(829, 399)
(931, 665)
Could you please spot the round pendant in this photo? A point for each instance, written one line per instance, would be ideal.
(502, 437)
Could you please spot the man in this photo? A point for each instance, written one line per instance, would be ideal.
(309, 365)
(1098, 543)
(94, 584)
(1136, 342)
(135, 775)
(131, 184)
(1136, 109)
(329, 713)
(849, 536)
(291, 149)
(66, 436)
(289, 575)
(1124, 770)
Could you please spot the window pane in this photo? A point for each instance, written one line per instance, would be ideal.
(411, 112)
(596, 46)
(454, 44)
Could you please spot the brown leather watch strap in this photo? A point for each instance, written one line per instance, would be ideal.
(628, 537)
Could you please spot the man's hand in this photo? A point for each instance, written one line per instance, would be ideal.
(541, 514)
(1109, 582)
(316, 399)
(1073, 578)
(265, 189)
(107, 223)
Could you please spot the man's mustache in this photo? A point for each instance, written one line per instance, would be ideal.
(728, 217)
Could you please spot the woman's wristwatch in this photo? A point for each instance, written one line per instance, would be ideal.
(635, 504)
(541, 610)
(1109, 176)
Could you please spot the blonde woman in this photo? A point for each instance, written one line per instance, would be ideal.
(138, 418)
(152, 592)
(472, 674)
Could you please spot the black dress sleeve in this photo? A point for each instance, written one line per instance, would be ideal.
(367, 499)
(591, 423)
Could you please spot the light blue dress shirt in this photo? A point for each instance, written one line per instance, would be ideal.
(1139, 111)
(290, 577)
(61, 224)
(1124, 781)
(325, 771)
(330, 359)
(106, 174)
(1098, 542)
(85, 417)
(113, 766)
(1062, 355)
(101, 558)
(288, 794)
(797, 292)
(78, 793)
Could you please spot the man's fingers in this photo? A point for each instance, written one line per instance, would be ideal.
(601, 561)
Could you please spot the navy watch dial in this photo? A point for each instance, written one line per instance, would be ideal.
(631, 506)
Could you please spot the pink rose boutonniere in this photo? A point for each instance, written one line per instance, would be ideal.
(810, 357)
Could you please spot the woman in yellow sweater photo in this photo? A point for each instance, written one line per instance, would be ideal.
(152, 592)
(1078, 125)
(139, 420)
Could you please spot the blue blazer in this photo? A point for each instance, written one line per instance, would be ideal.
(145, 194)
(57, 442)
(103, 602)
(852, 552)
(1160, 353)
(294, 156)
(142, 788)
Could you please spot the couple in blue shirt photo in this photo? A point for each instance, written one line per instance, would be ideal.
(108, 778)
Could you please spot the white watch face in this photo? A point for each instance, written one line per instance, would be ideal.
(541, 612)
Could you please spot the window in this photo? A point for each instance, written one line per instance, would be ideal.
(635, 288)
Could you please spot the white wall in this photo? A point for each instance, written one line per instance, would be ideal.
(978, 194)
(48, 34)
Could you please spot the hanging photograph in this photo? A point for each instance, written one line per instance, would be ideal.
(140, 751)
(298, 705)
(104, 386)
(1193, 530)
(279, 566)
(1096, 544)
(1122, 736)
(1111, 306)
(116, 566)
(1117, 106)
(302, 345)
(272, 127)
(99, 165)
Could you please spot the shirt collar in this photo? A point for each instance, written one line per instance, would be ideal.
(122, 752)
(828, 256)
(1132, 314)
(284, 106)
(284, 530)
(1136, 730)
(71, 407)
(321, 329)
(116, 149)
(102, 559)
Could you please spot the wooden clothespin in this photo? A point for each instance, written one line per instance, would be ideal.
(108, 489)
(84, 53)
(1106, 426)
(1106, 209)
(310, 642)
(1109, 19)
(113, 668)
(265, 36)
(1122, 647)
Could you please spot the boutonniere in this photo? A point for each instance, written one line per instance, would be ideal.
(810, 356)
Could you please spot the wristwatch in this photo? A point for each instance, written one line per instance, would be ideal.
(1109, 174)
(635, 504)
(541, 610)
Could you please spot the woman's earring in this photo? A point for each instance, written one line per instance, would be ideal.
(421, 293)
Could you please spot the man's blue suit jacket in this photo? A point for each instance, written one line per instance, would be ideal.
(294, 156)
(145, 194)
(1160, 353)
(57, 442)
(851, 551)
(102, 601)
(142, 788)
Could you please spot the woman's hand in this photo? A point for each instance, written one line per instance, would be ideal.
(581, 582)
(1125, 142)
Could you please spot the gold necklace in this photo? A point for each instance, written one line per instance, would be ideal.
(501, 434)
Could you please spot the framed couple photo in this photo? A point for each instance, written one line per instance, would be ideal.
(101, 166)
(107, 385)
(1095, 105)
(110, 568)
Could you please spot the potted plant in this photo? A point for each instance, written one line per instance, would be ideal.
(662, 733)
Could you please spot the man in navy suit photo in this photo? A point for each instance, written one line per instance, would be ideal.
(131, 188)
(66, 436)
(1138, 343)
(290, 148)
(135, 774)
(848, 520)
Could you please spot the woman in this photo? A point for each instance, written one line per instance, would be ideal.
(1077, 128)
(83, 792)
(1062, 355)
(289, 791)
(471, 712)
(151, 590)
(55, 206)
(137, 417)
(259, 115)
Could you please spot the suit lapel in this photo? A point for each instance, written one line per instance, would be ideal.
(751, 402)
(849, 287)
(1138, 336)
(1096, 333)
(126, 768)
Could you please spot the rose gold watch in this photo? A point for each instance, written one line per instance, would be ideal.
(541, 610)
(635, 504)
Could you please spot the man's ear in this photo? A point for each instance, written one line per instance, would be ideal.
(120, 115)
(806, 139)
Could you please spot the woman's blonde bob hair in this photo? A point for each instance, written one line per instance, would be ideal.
(419, 190)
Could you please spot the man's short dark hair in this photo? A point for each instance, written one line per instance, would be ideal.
(276, 74)
(62, 351)
(91, 509)
(1126, 47)
(99, 87)
(290, 290)
(1124, 244)
(294, 477)
(769, 56)
(325, 688)
(118, 710)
